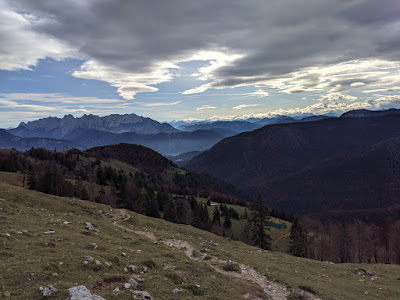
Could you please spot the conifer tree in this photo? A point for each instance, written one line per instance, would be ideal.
(151, 205)
(216, 216)
(245, 214)
(227, 221)
(32, 179)
(169, 211)
(259, 218)
(298, 243)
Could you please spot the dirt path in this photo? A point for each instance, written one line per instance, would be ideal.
(276, 291)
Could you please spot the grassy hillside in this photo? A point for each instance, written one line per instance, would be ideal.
(178, 256)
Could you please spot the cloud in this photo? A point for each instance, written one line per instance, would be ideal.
(136, 45)
(21, 46)
(206, 107)
(260, 93)
(128, 84)
(29, 106)
(58, 98)
(337, 98)
(161, 104)
(241, 106)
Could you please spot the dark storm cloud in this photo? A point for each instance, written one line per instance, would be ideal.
(274, 37)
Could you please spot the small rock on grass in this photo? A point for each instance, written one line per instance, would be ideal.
(138, 278)
(133, 283)
(127, 285)
(131, 268)
(176, 291)
(81, 292)
(143, 295)
(48, 291)
(90, 227)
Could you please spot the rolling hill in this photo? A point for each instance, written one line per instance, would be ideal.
(256, 161)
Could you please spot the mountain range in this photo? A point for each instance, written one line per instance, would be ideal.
(59, 128)
(10, 141)
(91, 131)
(238, 126)
(332, 167)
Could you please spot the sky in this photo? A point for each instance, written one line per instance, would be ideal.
(196, 60)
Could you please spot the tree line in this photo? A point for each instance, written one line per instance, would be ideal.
(353, 242)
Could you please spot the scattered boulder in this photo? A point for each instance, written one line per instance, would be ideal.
(48, 291)
(7, 294)
(108, 264)
(133, 283)
(361, 271)
(145, 269)
(127, 285)
(131, 268)
(143, 295)
(369, 273)
(90, 227)
(81, 292)
(123, 253)
(137, 277)
(89, 258)
(95, 246)
(176, 291)
(116, 290)
(98, 263)
(49, 232)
